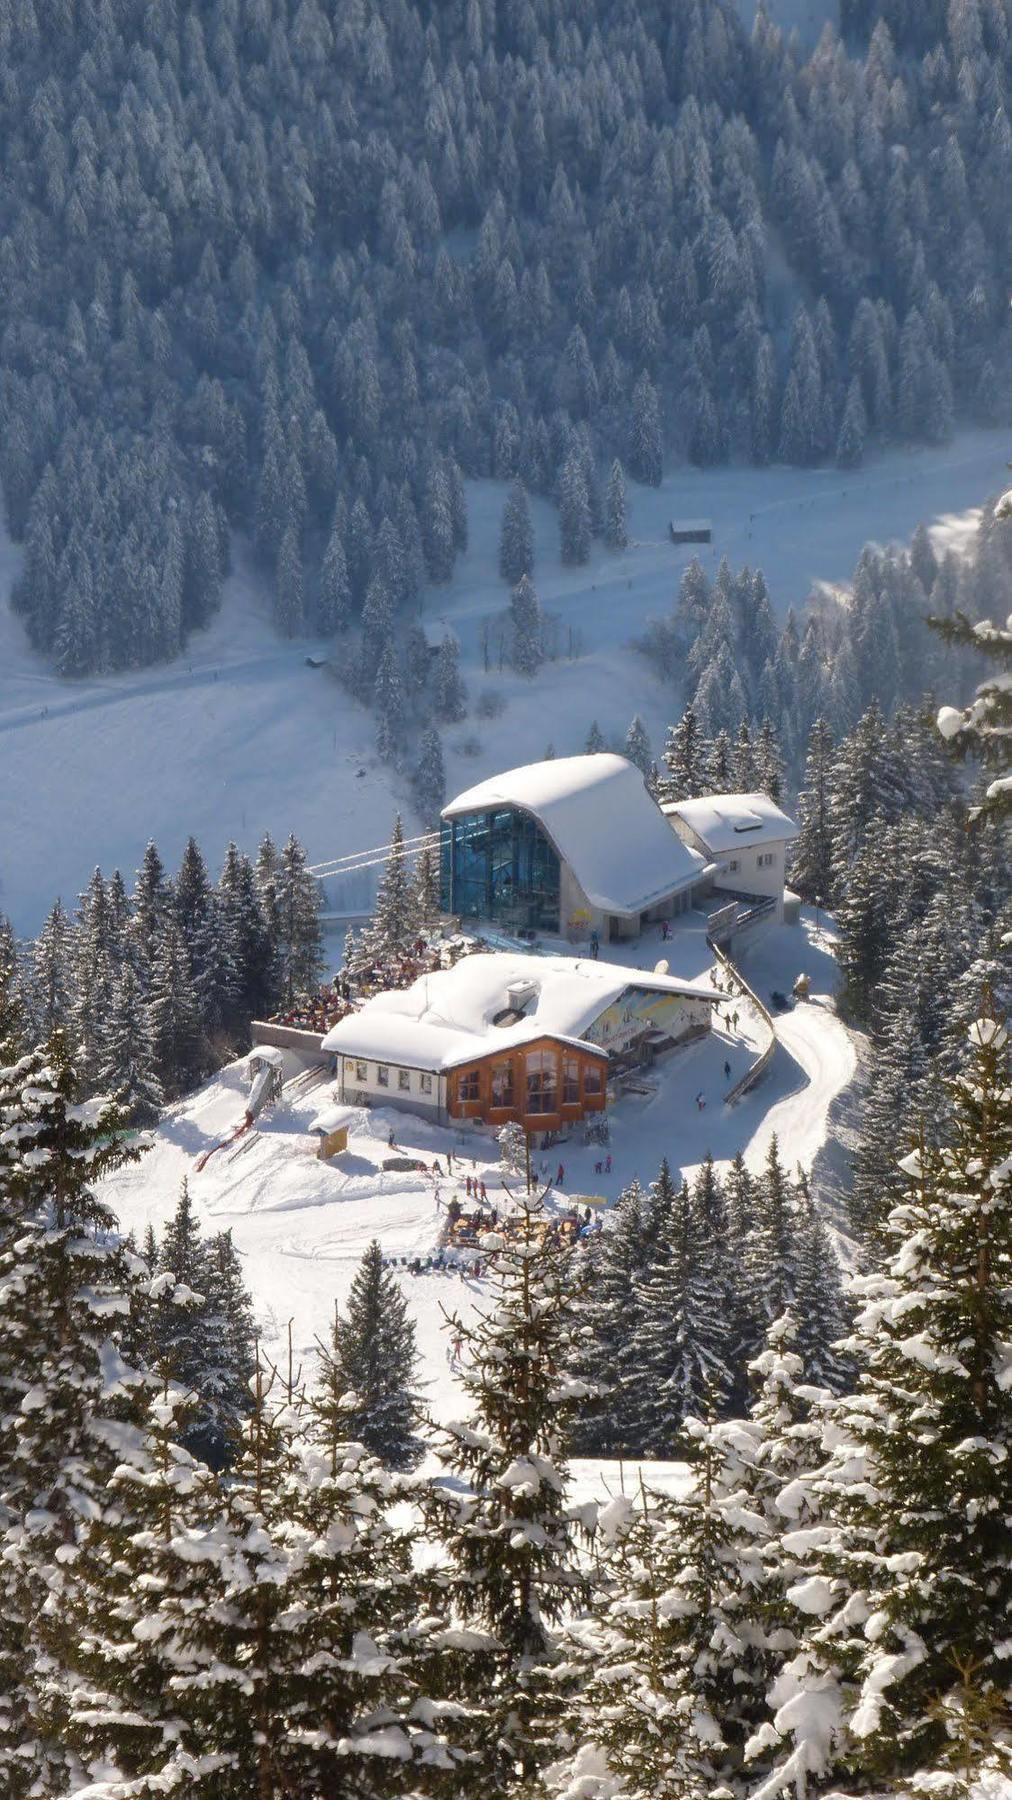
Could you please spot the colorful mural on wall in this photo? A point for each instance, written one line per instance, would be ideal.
(638, 1011)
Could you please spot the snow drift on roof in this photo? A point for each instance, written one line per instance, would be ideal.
(604, 824)
(448, 1017)
(726, 821)
(333, 1118)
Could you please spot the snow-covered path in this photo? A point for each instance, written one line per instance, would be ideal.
(817, 1053)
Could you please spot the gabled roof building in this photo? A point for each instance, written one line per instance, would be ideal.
(502, 1036)
(744, 839)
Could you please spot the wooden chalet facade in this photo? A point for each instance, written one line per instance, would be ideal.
(543, 1085)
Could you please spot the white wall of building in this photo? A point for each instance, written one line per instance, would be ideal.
(414, 1090)
(750, 869)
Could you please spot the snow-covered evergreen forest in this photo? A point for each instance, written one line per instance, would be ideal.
(705, 1492)
(294, 272)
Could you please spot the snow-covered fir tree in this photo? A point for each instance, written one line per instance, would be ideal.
(394, 924)
(51, 973)
(616, 511)
(527, 649)
(637, 745)
(299, 945)
(13, 1011)
(67, 1289)
(430, 775)
(449, 694)
(127, 1069)
(510, 1541)
(674, 1660)
(680, 1321)
(372, 1354)
(907, 1580)
(516, 536)
(812, 857)
(685, 759)
(180, 1053)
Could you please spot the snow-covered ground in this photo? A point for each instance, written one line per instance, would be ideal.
(301, 1225)
(240, 736)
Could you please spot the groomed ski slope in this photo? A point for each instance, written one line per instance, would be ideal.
(301, 1226)
(240, 736)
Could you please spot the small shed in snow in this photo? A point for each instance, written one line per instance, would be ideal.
(330, 1128)
(691, 531)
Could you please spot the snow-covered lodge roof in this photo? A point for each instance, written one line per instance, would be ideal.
(723, 822)
(450, 1017)
(597, 812)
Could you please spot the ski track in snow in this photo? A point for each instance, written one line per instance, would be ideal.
(239, 736)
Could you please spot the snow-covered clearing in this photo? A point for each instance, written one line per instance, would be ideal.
(301, 1225)
(240, 736)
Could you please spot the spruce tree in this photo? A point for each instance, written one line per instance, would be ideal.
(299, 946)
(616, 523)
(232, 1331)
(527, 653)
(673, 1662)
(51, 974)
(112, 1699)
(719, 776)
(575, 524)
(516, 538)
(67, 1290)
(449, 692)
(685, 760)
(13, 1015)
(426, 891)
(180, 1052)
(595, 740)
(127, 1068)
(680, 1322)
(394, 924)
(769, 763)
(637, 745)
(333, 603)
(610, 1271)
(812, 857)
(430, 775)
(510, 1541)
(372, 1354)
(151, 902)
(908, 1582)
(744, 761)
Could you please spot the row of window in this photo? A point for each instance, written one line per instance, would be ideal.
(403, 1078)
(764, 860)
(543, 1081)
(542, 1075)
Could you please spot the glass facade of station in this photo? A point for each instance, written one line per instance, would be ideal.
(500, 865)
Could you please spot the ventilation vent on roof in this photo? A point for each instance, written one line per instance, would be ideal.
(751, 824)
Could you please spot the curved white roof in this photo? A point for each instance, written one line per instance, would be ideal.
(597, 812)
(724, 822)
(448, 1017)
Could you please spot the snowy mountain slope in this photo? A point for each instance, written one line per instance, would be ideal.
(243, 737)
(301, 1225)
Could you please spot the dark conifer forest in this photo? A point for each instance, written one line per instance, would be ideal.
(295, 270)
